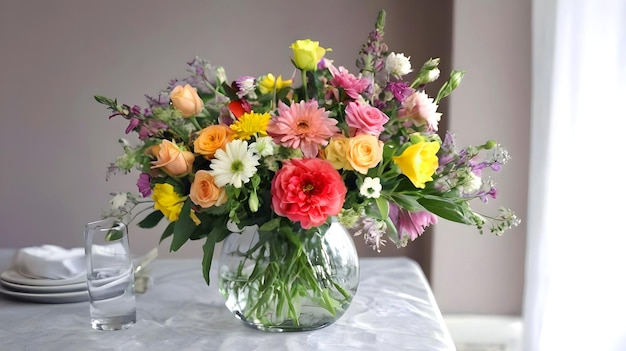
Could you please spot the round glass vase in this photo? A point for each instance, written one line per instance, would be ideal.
(289, 279)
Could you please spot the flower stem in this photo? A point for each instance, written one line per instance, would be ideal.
(304, 84)
(194, 121)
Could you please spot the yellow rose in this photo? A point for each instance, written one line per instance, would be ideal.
(204, 192)
(186, 100)
(419, 162)
(167, 200)
(307, 54)
(211, 139)
(269, 82)
(336, 151)
(364, 152)
(171, 159)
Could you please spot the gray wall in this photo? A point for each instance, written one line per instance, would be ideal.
(56, 140)
(473, 273)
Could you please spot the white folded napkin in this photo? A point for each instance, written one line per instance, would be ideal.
(49, 262)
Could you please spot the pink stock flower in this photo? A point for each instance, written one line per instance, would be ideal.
(421, 109)
(352, 85)
(307, 191)
(408, 223)
(365, 119)
(302, 126)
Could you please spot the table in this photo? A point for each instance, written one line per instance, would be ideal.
(394, 309)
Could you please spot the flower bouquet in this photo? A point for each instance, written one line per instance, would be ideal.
(292, 163)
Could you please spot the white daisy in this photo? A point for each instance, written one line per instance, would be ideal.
(235, 165)
(371, 188)
(263, 146)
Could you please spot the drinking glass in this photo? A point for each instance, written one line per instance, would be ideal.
(110, 276)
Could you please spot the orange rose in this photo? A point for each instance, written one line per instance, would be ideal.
(364, 152)
(204, 192)
(186, 100)
(336, 151)
(211, 139)
(171, 159)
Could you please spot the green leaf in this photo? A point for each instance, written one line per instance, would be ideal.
(151, 220)
(392, 232)
(169, 230)
(383, 207)
(270, 225)
(183, 227)
(113, 234)
(407, 202)
(447, 209)
(105, 100)
(208, 248)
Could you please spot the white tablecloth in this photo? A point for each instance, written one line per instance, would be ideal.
(394, 309)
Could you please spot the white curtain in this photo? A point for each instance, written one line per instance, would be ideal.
(575, 291)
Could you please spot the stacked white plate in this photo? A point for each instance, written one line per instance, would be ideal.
(20, 287)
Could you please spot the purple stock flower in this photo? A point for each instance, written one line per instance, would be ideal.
(372, 231)
(151, 127)
(400, 90)
(161, 100)
(408, 223)
(134, 122)
(143, 184)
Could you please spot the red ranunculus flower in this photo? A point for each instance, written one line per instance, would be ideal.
(307, 190)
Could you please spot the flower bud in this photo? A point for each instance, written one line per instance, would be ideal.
(220, 75)
(489, 144)
(253, 201)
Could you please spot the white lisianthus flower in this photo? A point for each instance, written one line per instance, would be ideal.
(234, 165)
(371, 188)
(398, 65)
(264, 146)
(433, 74)
(118, 201)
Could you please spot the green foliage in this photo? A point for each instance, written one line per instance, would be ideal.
(183, 227)
(151, 220)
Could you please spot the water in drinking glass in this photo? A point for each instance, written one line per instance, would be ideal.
(110, 275)
(111, 298)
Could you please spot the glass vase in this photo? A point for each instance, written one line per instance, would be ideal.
(289, 279)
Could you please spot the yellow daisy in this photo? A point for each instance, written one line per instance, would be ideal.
(250, 124)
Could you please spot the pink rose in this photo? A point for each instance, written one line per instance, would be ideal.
(365, 119)
(307, 191)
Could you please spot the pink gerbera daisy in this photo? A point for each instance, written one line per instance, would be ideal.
(302, 126)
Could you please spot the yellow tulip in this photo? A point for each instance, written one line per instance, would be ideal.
(269, 82)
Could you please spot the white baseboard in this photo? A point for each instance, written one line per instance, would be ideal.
(472, 332)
